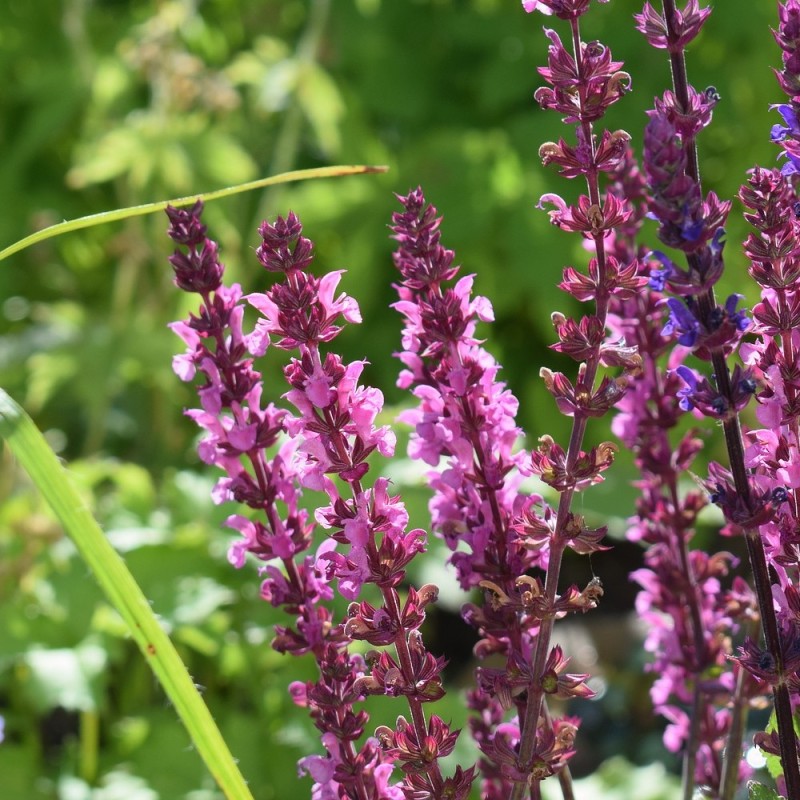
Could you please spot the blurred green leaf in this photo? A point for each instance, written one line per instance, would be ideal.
(72, 679)
(757, 791)
(114, 786)
(322, 104)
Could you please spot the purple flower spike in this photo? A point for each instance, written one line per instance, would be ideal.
(332, 434)
(678, 578)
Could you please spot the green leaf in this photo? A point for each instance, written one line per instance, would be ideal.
(322, 105)
(757, 791)
(223, 158)
(66, 678)
(32, 451)
(111, 156)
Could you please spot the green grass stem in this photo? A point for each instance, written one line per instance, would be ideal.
(152, 208)
(34, 454)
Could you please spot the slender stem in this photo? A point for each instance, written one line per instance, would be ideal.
(558, 543)
(733, 442)
(89, 745)
(692, 598)
(564, 774)
(789, 356)
(733, 746)
(530, 723)
(565, 781)
(693, 595)
(690, 754)
(392, 601)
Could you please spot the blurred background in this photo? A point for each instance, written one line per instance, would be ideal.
(110, 103)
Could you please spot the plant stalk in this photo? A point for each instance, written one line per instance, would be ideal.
(735, 448)
(558, 543)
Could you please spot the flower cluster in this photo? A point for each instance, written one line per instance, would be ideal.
(325, 447)
(649, 316)
(713, 333)
(689, 617)
(465, 418)
(773, 452)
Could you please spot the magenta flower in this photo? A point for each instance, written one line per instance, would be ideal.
(331, 436)
(563, 9)
(464, 427)
(713, 333)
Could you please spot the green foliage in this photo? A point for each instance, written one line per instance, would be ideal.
(757, 791)
(68, 679)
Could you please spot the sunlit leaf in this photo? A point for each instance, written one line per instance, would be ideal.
(70, 679)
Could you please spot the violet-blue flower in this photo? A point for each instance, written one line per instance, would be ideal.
(682, 322)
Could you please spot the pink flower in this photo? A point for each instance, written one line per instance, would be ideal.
(536, 5)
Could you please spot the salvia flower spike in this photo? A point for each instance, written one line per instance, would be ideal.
(324, 446)
(713, 332)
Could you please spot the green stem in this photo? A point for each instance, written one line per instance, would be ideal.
(152, 208)
(89, 742)
(733, 745)
(32, 451)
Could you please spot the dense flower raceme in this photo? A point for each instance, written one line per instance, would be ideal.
(713, 332)
(773, 451)
(467, 418)
(332, 434)
(689, 618)
(583, 84)
(497, 532)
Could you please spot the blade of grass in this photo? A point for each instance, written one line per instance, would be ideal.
(51, 479)
(152, 208)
